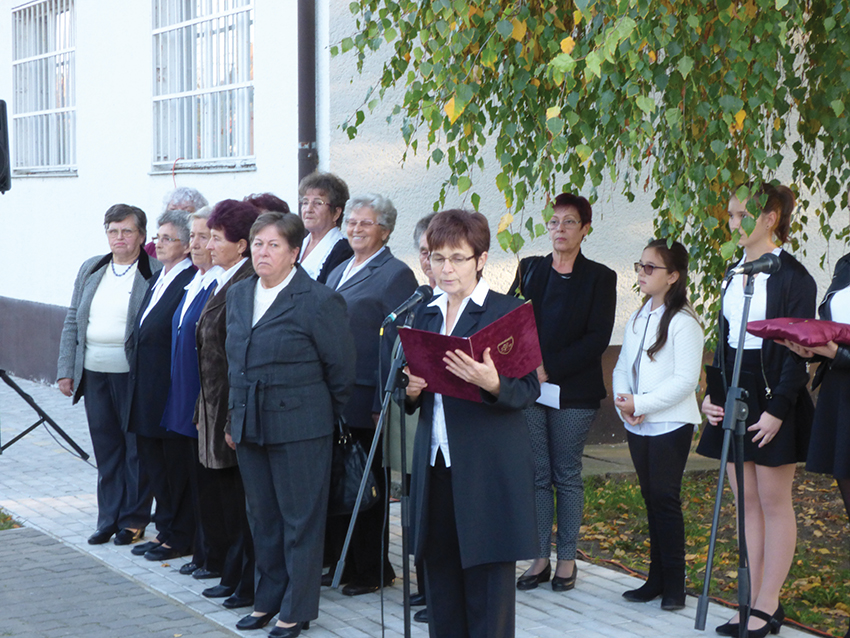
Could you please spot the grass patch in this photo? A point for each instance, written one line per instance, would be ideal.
(818, 587)
(7, 522)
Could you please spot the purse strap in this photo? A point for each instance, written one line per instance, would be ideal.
(343, 434)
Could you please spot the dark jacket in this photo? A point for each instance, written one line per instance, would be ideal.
(211, 410)
(573, 340)
(492, 462)
(72, 345)
(150, 359)
(291, 374)
(791, 292)
(339, 253)
(840, 280)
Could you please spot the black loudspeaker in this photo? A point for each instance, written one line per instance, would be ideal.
(5, 163)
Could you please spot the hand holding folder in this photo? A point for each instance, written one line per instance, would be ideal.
(512, 339)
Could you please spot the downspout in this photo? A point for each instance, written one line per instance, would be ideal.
(308, 158)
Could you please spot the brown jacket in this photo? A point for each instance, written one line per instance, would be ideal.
(211, 410)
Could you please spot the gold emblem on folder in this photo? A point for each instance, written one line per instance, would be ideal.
(506, 346)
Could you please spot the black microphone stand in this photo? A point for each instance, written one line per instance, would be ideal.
(395, 386)
(734, 423)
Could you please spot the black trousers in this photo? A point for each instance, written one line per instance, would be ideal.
(230, 549)
(476, 602)
(287, 486)
(167, 463)
(200, 544)
(660, 463)
(365, 559)
(123, 494)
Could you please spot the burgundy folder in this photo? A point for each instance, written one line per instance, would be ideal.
(512, 339)
(807, 332)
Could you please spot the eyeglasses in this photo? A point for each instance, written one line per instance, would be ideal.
(112, 233)
(554, 224)
(304, 203)
(362, 223)
(647, 268)
(438, 261)
(165, 238)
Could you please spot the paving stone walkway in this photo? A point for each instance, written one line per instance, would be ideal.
(54, 584)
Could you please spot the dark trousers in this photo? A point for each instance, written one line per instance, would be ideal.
(199, 542)
(660, 463)
(287, 486)
(227, 533)
(476, 602)
(123, 495)
(167, 463)
(365, 559)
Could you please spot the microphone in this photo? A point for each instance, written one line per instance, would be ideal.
(767, 263)
(422, 294)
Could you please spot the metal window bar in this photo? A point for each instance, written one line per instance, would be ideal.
(43, 62)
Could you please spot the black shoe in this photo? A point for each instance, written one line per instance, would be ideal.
(142, 548)
(358, 589)
(202, 573)
(417, 599)
(101, 536)
(289, 632)
(235, 602)
(219, 591)
(254, 622)
(531, 581)
(728, 629)
(421, 615)
(673, 602)
(128, 536)
(560, 583)
(773, 623)
(164, 553)
(646, 592)
(188, 568)
(328, 579)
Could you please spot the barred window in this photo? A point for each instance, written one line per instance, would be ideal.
(203, 86)
(44, 103)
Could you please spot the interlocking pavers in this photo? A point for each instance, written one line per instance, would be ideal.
(53, 494)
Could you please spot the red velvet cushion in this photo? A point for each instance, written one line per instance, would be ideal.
(806, 332)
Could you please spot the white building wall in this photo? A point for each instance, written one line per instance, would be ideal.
(50, 225)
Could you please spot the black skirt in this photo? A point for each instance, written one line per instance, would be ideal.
(790, 444)
(829, 449)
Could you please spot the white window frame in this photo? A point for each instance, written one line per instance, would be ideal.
(44, 104)
(203, 85)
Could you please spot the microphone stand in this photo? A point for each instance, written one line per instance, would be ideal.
(395, 386)
(734, 423)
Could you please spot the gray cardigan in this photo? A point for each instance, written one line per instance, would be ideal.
(72, 346)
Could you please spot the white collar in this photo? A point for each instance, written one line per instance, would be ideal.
(646, 312)
(478, 295)
(226, 275)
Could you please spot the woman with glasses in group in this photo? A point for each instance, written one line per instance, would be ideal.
(574, 301)
(373, 284)
(322, 201)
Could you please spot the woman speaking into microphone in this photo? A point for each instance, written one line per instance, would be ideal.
(473, 469)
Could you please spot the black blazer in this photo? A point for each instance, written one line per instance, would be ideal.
(150, 359)
(574, 339)
(492, 462)
(339, 253)
(791, 292)
(291, 374)
(840, 280)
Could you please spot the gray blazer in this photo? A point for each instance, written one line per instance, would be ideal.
(291, 374)
(72, 345)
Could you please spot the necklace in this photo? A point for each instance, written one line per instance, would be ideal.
(115, 272)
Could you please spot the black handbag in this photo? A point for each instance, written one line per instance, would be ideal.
(347, 467)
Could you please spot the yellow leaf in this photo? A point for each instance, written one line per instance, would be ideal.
(519, 29)
(652, 56)
(740, 116)
(451, 111)
(576, 16)
(567, 45)
(553, 111)
(823, 550)
(507, 220)
(453, 25)
(475, 10)
(751, 9)
(777, 124)
(467, 128)
(535, 81)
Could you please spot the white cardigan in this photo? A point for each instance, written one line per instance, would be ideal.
(667, 384)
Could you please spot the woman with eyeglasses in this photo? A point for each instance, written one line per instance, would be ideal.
(574, 301)
(780, 408)
(473, 467)
(373, 284)
(655, 382)
(322, 201)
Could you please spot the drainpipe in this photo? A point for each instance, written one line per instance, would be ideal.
(308, 158)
